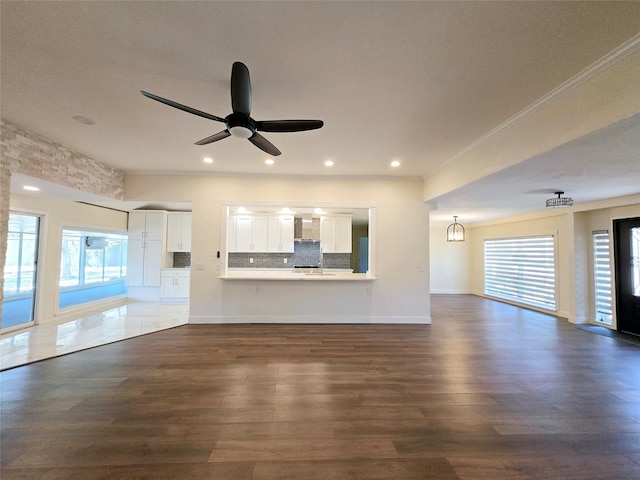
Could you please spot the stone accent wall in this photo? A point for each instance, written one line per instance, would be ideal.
(31, 154)
(34, 155)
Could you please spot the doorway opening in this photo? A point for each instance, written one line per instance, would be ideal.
(20, 271)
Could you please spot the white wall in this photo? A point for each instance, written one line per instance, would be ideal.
(57, 215)
(401, 293)
(558, 225)
(572, 228)
(449, 262)
(602, 219)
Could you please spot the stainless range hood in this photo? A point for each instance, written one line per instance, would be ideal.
(307, 229)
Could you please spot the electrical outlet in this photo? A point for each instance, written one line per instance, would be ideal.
(251, 260)
(285, 260)
(368, 290)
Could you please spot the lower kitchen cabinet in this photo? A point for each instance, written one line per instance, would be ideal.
(174, 283)
(145, 263)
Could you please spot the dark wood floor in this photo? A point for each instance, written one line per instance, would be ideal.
(488, 391)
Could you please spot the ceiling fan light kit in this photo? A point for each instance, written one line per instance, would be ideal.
(239, 123)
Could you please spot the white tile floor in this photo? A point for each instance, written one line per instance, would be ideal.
(53, 339)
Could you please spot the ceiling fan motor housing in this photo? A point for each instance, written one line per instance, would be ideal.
(240, 125)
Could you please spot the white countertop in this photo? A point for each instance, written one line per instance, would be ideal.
(281, 274)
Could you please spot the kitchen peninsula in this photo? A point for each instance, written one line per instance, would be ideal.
(278, 274)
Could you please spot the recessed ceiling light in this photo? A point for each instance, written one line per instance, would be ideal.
(269, 161)
(328, 163)
(31, 188)
(207, 160)
(395, 163)
(83, 120)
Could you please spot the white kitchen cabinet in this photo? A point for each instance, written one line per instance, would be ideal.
(147, 225)
(178, 232)
(174, 283)
(146, 255)
(249, 233)
(280, 234)
(144, 263)
(335, 233)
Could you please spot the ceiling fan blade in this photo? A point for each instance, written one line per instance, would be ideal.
(288, 125)
(264, 144)
(213, 138)
(240, 89)
(179, 106)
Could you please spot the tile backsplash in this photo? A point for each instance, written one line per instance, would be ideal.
(181, 259)
(337, 260)
(306, 253)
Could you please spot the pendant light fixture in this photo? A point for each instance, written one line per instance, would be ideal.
(455, 231)
(560, 201)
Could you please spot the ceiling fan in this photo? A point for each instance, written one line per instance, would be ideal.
(239, 123)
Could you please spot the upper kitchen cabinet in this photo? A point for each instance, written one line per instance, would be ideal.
(260, 233)
(178, 232)
(335, 233)
(280, 234)
(247, 233)
(147, 225)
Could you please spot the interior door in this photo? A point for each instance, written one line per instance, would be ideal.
(627, 261)
(20, 270)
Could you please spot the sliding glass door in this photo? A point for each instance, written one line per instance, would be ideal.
(18, 306)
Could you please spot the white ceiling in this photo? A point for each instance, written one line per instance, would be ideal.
(412, 81)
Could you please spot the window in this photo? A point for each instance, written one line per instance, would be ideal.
(521, 270)
(93, 266)
(602, 276)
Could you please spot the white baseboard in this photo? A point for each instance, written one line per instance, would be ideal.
(436, 291)
(308, 319)
(578, 320)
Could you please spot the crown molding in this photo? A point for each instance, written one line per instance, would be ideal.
(604, 63)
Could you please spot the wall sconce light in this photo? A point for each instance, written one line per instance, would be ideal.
(560, 201)
(455, 231)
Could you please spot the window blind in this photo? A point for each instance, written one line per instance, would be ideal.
(602, 276)
(521, 270)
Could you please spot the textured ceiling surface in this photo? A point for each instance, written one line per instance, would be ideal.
(410, 81)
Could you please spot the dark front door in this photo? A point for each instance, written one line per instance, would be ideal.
(627, 255)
